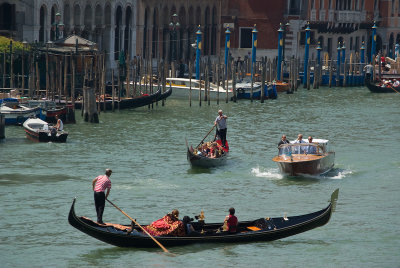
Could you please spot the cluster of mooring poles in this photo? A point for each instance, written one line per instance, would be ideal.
(67, 77)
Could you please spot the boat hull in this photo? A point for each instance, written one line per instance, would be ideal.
(207, 162)
(274, 228)
(19, 116)
(201, 161)
(282, 86)
(34, 130)
(378, 89)
(129, 103)
(306, 165)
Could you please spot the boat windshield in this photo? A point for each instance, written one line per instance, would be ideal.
(300, 148)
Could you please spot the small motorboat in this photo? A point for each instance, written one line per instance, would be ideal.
(39, 130)
(200, 157)
(282, 86)
(16, 114)
(314, 158)
(260, 229)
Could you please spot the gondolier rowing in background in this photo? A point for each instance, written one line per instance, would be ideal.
(220, 122)
(100, 185)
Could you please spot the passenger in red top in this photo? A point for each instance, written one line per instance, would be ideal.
(100, 185)
(231, 221)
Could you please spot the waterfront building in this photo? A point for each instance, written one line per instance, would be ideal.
(241, 16)
(166, 28)
(345, 21)
(134, 27)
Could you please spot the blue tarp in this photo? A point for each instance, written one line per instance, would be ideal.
(8, 100)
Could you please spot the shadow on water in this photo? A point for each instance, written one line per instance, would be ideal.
(15, 140)
(116, 252)
(199, 170)
(15, 179)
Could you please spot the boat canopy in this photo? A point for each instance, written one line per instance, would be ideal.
(302, 148)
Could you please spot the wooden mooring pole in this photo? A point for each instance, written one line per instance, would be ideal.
(2, 126)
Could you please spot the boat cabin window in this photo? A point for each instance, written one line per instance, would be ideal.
(301, 148)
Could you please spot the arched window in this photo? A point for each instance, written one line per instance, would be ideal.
(67, 19)
(294, 7)
(77, 17)
(127, 34)
(154, 46)
(391, 45)
(117, 40)
(43, 22)
(87, 21)
(393, 9)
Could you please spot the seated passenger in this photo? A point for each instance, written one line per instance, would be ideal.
(284, 150)
(231, 221)
(214, 150)
(167, 225)
(299, 149)
(311, 149)
(188, 226)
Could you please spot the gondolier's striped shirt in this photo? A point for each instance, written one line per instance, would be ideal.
(102, 183)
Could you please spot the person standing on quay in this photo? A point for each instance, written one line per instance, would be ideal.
(220, 122)
(100, 184)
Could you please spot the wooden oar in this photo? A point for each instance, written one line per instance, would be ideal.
(206, 136)
(393, 89)
(144, 230)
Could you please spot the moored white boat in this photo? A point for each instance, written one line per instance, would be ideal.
(16, 114)
(39, 130)
(183, 87)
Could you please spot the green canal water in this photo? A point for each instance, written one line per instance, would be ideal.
(146, 150)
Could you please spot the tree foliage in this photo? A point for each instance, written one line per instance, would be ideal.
(16, 45)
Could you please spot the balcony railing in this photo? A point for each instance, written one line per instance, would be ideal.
(350, 16)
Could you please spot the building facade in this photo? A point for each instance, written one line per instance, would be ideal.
(167, 28)
(347, 22)
(110, 24)
(241, 16)
(149, 28)
(133, 27)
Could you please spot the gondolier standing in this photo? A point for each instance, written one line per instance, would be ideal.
(100, 184)
(369, 71)
(220, 122)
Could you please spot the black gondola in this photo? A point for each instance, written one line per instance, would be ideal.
(263, 229)
(165, 95)
(378, 88)
(204, 161)
(128, 103)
